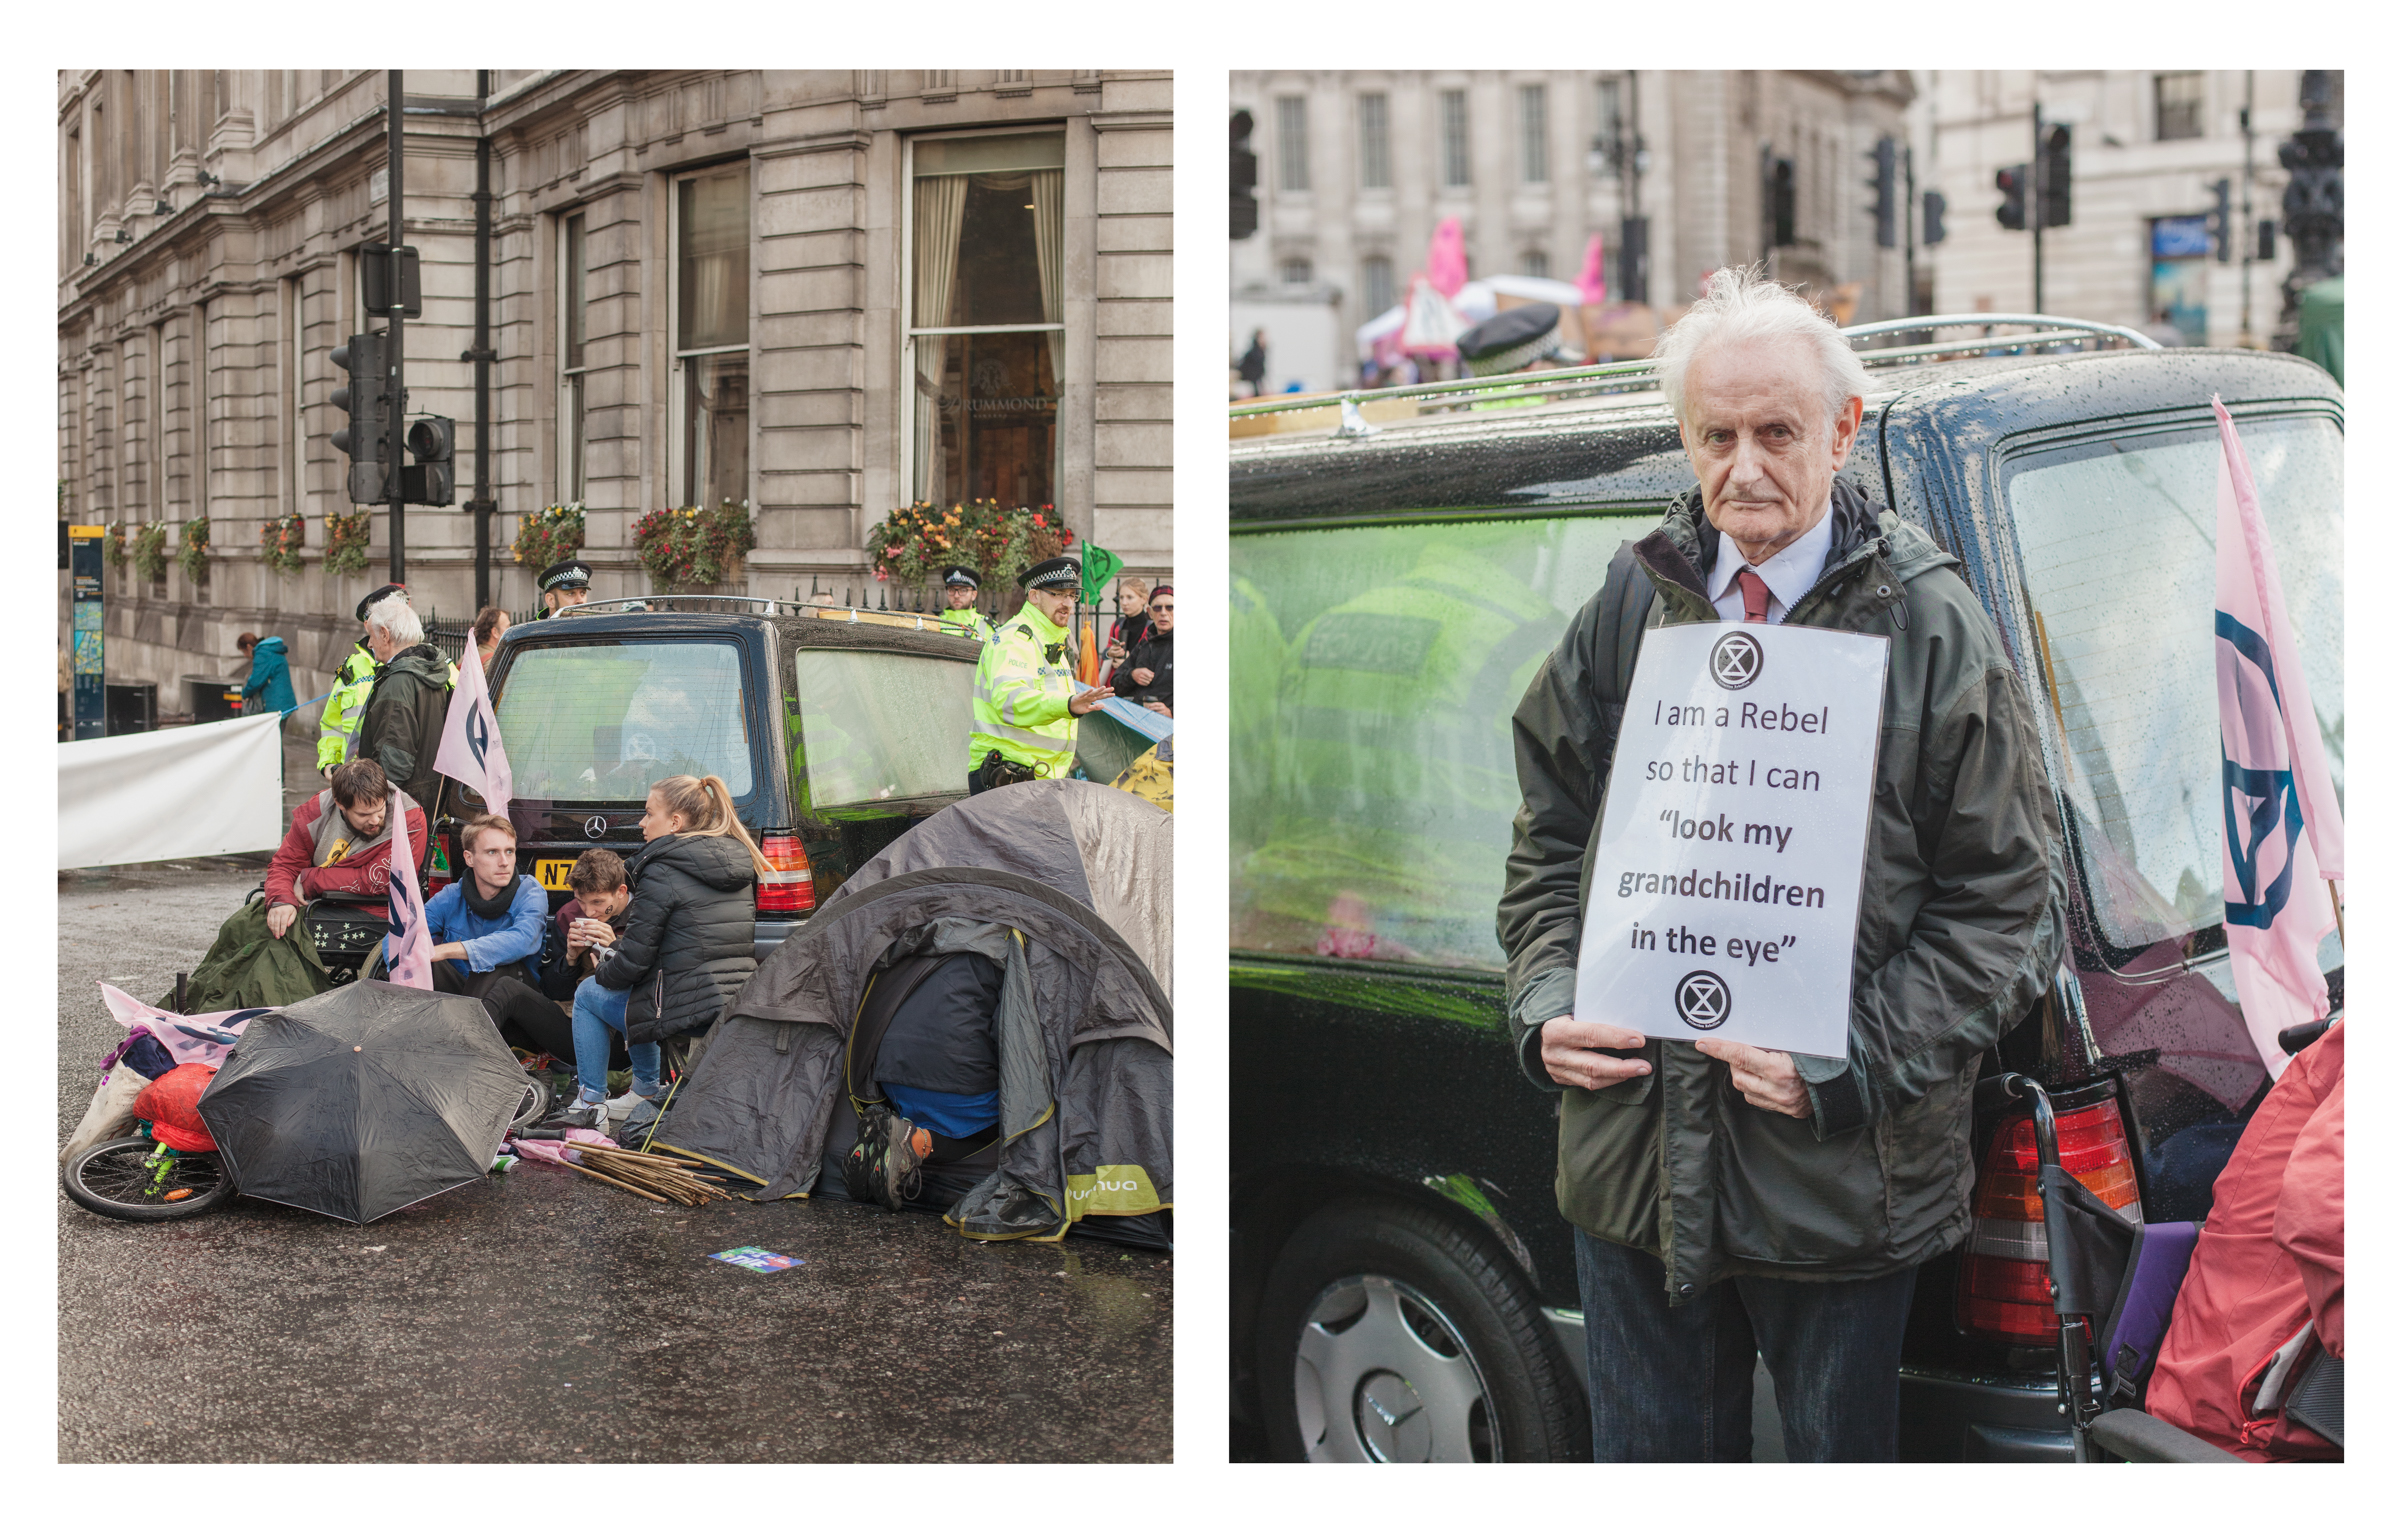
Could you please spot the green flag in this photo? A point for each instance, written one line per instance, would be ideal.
(1099, 567)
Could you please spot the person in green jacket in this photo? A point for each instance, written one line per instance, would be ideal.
(1026, 699)
(337, 726)
(1727, 1197)
(960, 587)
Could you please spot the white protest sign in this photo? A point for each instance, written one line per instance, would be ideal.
(1724, 894)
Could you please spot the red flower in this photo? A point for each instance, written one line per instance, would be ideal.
(1037, 520)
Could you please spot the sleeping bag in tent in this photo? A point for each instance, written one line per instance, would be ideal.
(999, 977)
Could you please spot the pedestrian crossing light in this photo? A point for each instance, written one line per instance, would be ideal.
(363, 403)
(433, 479)
(2011, 181)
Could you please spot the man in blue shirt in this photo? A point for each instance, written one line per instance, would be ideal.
(487, 931)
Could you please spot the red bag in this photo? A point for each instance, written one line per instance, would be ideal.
(172, 1102)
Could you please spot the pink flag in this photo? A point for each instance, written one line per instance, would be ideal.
(2283, 829)
(407, 947)
(471, 751)
(1446, 258)
(1593, 279)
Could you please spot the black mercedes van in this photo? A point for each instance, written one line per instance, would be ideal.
(1403, 1285)
(835, 730)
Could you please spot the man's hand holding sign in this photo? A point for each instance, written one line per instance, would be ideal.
(1759, 938)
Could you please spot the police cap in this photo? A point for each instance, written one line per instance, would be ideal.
(960, 575)
(1509, 340)
(566, 574)
(376, 595)
(1061, 571)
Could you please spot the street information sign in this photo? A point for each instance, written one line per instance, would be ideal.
(1724, 894)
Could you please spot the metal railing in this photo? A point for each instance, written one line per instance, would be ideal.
(1640, 374)
(902, 608)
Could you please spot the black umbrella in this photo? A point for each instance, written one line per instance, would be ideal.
(364, 1100)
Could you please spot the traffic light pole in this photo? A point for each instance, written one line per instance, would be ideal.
(395, 489)
(2249, 226)
(2034, 206)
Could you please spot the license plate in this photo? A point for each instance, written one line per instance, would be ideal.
(551, 872)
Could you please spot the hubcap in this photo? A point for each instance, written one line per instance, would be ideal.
(1382, 1376)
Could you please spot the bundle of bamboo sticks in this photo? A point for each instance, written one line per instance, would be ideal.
(659, 1177)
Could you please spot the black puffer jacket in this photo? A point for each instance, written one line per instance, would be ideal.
(683, 948)
(1153, 652)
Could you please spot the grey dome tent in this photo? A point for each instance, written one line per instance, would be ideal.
(1067, 889)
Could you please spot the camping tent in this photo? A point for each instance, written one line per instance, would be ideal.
(1068, 888)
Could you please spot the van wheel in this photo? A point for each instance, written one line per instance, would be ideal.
(1389, 1334)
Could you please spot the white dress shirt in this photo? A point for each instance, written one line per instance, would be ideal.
(1788, 574)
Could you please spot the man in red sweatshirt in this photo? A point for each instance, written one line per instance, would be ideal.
(340, 842)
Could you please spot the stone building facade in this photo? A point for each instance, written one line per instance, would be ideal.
(1356, 168)
(2148, 147)
(822, 292)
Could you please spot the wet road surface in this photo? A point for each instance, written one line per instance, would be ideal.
(538, 1316)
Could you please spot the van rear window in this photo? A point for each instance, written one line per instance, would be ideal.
(2118, 545)
(875, 727)
(605, 721)
(1373, 780)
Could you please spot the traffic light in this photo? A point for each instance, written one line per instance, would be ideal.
(432, 480)
(365, 403)
(2057, 175)
(1885, 184)
(375, 282)
(1243, 175)
(1782, 203)
(2220, 222)
(1935, 206)
(2011, 181)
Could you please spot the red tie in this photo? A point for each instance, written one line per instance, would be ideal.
(1754, 596)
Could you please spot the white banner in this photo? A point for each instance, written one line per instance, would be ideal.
(198, 791)
(1724, 894)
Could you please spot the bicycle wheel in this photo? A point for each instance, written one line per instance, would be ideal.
(140, 1180)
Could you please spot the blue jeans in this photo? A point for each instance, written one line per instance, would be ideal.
(1672, 1385)
(600, 1011)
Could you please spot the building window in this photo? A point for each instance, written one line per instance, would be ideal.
(573, 307)
(1533, 122)
(1297, 272)
(2179, 105)
(1291, 142)
(1375, 140)
(986, 316)
(1534, 263)
(295, 400)
(1454, 139)
(1375, 276)
(154, 432)
(712, 334)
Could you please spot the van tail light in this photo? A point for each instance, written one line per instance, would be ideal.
(2004, 1282)
(790, 888)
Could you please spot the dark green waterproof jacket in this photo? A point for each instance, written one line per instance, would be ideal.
(1960, 927)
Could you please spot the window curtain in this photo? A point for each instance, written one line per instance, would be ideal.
(1049, 232)
(940, 212)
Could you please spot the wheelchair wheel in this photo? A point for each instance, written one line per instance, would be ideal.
(535, 1106)
(141, 1180)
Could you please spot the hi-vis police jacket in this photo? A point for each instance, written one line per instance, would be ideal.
(339, 722)
(1022, 685)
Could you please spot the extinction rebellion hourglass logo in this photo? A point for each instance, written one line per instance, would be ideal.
(1702, 1000)
(1735, 661)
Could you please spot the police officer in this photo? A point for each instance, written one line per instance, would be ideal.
(1522, 339)
(568, 583)
(959, 590)
(339, 722)
(1026, 702)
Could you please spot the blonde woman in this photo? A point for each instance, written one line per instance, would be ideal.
(679, 953)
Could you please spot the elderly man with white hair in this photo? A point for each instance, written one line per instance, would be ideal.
(1732, 1202)
(401, 728)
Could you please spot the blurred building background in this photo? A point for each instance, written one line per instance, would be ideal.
(822, 292)
(1872, 190)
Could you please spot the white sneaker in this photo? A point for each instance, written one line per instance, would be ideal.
(618, 1107)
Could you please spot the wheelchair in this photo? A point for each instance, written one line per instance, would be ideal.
(2113, 1283)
